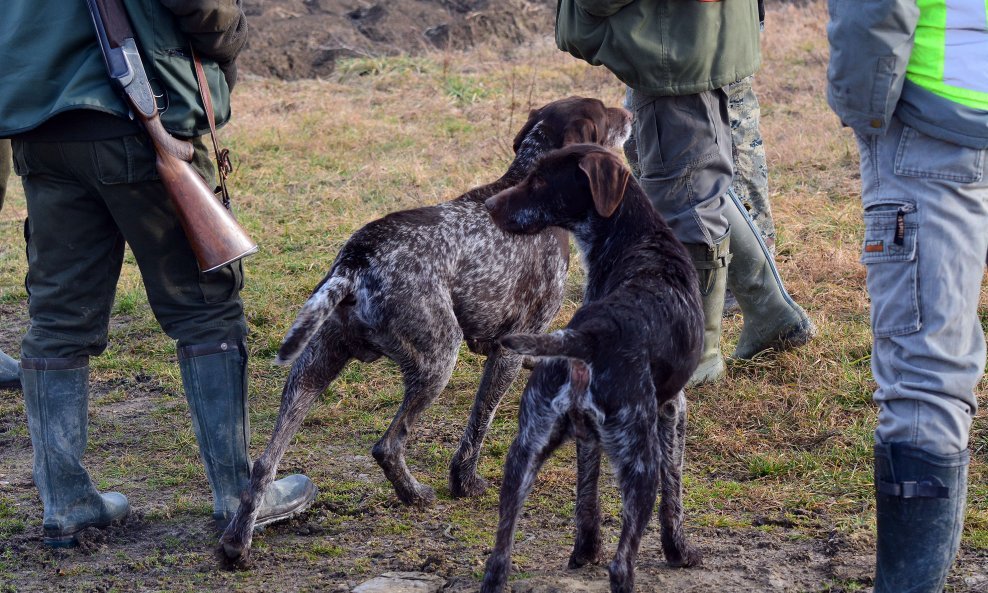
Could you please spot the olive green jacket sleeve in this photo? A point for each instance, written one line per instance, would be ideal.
(217, 30)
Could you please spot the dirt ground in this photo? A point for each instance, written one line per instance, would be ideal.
(293, 39)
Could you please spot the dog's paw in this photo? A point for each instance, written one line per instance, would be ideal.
(687, 557)
(472, 486)
(581, 558)
(419, 495)
(232, 556)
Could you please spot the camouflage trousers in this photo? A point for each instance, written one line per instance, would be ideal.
(750, 168)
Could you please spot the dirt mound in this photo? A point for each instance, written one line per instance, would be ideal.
(292, 39)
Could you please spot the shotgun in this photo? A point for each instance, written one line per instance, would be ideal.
(215, 235)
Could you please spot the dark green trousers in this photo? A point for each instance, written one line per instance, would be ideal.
(4, 168)
(85, 200)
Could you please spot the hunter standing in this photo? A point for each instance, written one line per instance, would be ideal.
(90, 183)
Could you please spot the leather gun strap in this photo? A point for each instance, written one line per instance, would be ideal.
(223, 165)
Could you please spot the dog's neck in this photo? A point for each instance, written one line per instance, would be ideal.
(533, 147)
(603, 242)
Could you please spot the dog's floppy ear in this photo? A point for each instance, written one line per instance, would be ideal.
(608, 179)
(533, 118)
(580, 131)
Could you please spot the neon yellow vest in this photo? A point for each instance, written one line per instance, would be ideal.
(950, 56)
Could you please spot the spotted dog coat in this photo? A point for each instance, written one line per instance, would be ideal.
(412, 286)
(614, 377)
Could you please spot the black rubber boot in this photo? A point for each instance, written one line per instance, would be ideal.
(56, 397)
(919, 507)
(711, 267)
(215, 381)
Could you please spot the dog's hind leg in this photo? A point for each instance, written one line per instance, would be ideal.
(500, 371)
(631, 444)
(672, 439)
(313, 371)
(540, 431)
(586, 549)
(426, 365)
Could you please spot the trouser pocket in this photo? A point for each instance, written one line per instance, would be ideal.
(889, 252)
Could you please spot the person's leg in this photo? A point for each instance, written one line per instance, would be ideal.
(926, 210)
(74, 258)
(683, 150)
(9, 369)
(204, 314)
(750, 166)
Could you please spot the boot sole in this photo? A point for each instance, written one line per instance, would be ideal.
(71, 540)
(794, 337)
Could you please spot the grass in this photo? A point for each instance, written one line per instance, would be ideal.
(780, 441)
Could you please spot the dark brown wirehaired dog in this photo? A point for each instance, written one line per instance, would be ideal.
(614, 377)
(412, 286)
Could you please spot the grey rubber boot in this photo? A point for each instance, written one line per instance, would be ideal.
(10, 373)
(711, 265)
(215, 381)
(56, 397)
(772, 320)
(919, 503)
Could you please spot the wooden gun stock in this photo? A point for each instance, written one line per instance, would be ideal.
(215, 235)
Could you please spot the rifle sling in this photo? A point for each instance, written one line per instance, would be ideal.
(223, 165)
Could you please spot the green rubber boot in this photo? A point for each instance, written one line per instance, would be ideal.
(10, 373)
(919, 503)
(772, 320)
(56, 397)
(215, 381)
(711, 265)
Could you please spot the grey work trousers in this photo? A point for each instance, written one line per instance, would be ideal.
(684, 150)
(926, 238)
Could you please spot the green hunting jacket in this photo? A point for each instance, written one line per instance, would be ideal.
(50, 61)
(664, 47)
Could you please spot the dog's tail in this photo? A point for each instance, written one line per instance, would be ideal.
(314, 313)
(566, 343)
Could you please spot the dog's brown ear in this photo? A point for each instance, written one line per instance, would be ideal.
(579, 131)
(533, 118)
(608, 180)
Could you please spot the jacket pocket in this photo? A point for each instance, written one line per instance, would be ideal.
(891, 256)
(920, 155)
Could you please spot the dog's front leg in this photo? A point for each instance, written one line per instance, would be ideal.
(500, 371)
(586, 549)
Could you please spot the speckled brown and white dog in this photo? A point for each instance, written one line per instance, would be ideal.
(412, 286)
(614, 377)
